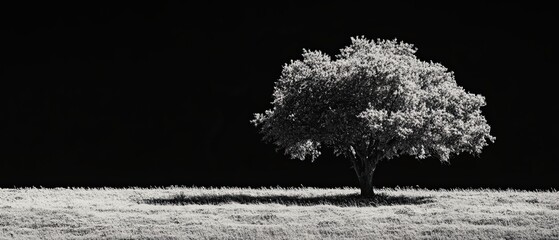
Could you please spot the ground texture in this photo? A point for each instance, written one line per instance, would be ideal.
(276, 213)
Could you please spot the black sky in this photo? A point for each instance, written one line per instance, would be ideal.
(162, 93)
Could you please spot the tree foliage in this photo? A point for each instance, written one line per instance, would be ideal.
(374, 99)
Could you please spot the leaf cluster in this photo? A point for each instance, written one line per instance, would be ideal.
(375, 98)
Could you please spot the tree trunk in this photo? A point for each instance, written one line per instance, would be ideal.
(364, 168)
(366, 183)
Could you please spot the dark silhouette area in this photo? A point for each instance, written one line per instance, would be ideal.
(342, 200)
(161, 93)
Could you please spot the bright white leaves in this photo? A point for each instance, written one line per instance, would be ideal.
(374, 97)
(375, 118)
(304, 148)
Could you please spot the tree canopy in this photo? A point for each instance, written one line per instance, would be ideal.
(373, 99)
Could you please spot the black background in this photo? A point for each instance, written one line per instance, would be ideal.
(160, 94)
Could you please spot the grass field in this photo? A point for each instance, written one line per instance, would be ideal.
(276, 213)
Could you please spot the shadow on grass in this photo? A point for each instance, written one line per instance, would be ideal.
(343, 200)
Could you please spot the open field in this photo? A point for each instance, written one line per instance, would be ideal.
(302, 213)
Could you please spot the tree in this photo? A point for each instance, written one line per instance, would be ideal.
(374, 101)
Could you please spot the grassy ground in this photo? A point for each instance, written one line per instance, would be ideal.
(304, 213)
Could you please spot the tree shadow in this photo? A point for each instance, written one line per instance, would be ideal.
(342, 200)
